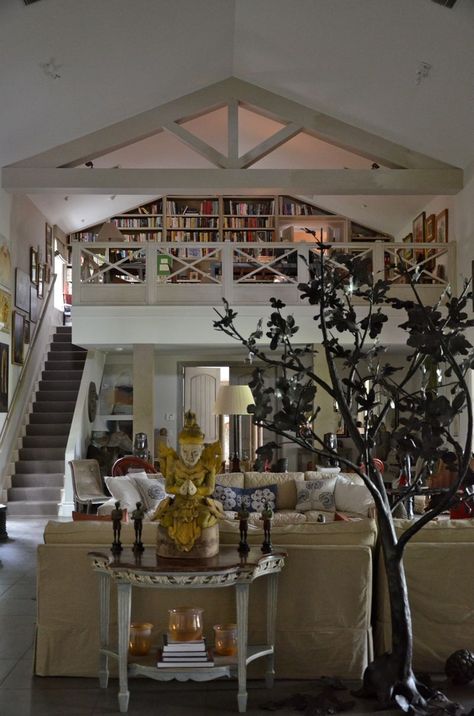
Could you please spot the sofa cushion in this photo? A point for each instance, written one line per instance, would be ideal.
(324, 473)
(355, 532)
(230, 479)
(440, 530)
(254, 498)
(124, 490)
(352, 498)
(283, 517)
(284, 481)
(316, 494)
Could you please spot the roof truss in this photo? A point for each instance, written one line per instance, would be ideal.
(406, 172)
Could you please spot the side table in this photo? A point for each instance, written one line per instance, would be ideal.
(147, 570)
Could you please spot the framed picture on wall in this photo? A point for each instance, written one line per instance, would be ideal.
(18, 337)
(442, 226)
(48, 244)
(4, 361)
(34, 304)
(26, 337)
(22, 290)
(5, 311)
(419, 228)
(430, 228)
(33, 266)
(40, 286)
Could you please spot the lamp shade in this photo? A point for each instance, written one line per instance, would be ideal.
(110, 232)
(233, 400)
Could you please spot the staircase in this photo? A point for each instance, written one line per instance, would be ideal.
(39, 473)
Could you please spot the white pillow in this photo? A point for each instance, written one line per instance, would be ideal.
(123, 488)
(152, 491)
(355, 499)
(316, 494)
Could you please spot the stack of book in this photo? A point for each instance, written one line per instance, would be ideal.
(184, 654)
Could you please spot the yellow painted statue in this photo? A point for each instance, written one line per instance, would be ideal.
(190, 477)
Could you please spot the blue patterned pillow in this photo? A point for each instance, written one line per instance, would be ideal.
(253, 498)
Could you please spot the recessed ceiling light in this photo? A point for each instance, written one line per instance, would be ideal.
(119, 348)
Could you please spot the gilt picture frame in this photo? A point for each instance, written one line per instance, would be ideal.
(22, 290)
(48, 244)
(4, 371)
(18, 337)
(442, 226)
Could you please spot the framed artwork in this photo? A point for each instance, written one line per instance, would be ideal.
(22, 290)
(5, 263)
(419, 228)
(40, 286)
(5, 311)
(4, 361)
(47, 273)
(430, 228)
(34, 304)
(34, 266)
(18, 337)
(26, 337)
(407, 254)
(48, 244)
(442, 226)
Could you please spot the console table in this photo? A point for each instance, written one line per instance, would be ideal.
(227, 569)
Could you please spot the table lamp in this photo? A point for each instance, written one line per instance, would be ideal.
(233, 400)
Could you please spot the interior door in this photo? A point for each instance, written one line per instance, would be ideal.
(201, 384)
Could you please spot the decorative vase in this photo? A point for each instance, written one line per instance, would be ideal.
(185, 623)
(225, 639)
(140, 638)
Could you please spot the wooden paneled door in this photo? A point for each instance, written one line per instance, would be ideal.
(201, 384)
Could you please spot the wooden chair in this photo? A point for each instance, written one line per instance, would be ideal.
(123, 464)
(87, 484)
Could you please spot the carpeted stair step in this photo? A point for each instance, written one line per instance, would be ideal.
(62, 337)
(62, 375)
(60, 385)
(56, 396)
(45, 441)
(64, 365)
(61, 347)
(51, 418)
(23, 467)
(34, 479)
(33, 509)
(43, 428)
(54, 406)
(41, 453)
(35, 494)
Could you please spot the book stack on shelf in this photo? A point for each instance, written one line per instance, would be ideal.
(184, 654)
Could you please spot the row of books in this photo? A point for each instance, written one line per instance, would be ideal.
(138, 223)
(206, 206)
(254, 208)
(235, 222)
(184, 654)
(192, 222)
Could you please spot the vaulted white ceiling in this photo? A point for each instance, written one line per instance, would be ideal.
(357, 60)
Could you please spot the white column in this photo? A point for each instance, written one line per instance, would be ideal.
(144, 392)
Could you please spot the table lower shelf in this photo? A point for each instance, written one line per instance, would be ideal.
(224, 666)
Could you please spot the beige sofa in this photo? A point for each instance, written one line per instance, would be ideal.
(324, 601)
(440, 574)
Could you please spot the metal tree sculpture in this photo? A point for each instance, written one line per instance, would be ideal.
(361, 380)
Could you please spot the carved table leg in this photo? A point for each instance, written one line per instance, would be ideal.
(124, 592)
(104, 617)
(242, 599)
(272, 588)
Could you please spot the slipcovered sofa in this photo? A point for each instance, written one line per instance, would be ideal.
(324, 599)
(440, 575)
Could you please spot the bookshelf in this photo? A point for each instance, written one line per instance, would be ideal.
(201, 219)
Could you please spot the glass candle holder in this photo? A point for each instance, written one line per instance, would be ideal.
(140, 638)
(225, 639)
(185, 623)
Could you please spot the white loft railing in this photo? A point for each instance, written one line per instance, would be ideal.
(117, 273)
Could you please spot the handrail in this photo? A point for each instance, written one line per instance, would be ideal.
(15, 411)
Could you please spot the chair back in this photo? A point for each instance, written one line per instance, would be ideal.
(86, 480)
(123, 464)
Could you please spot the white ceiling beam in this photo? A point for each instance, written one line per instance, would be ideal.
(233, 131)
(381, 182)
(217, 95)
(332, 130)
(269, 145)
(198, 145)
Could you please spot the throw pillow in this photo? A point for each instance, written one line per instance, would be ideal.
(152, 491)
(124, 489)
(254, 498)
(316, 494)
(284, 481)
(355, 499)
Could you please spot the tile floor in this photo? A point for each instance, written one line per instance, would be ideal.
(22, 694)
